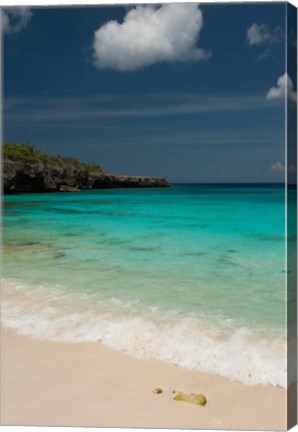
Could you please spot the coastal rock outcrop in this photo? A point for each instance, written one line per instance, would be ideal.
(107, 180)
(20, 177)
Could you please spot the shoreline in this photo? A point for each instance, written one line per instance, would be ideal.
(239, 353)
(88, 384)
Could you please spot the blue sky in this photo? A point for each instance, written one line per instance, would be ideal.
(191, 94)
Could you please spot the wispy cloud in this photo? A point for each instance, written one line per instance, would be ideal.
(144, 122)
(161, 141)
(14, 19)
(283, 88)
(148, 35)
(108, 107)
(261, 34)
(265, 54)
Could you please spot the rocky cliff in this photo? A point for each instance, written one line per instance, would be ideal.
(24, 176)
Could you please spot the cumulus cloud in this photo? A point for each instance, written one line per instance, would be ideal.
(284, 87)
(277, 167)
(258, 34)
(149, 35)
(14, 19)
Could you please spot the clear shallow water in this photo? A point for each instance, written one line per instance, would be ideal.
(194, 275)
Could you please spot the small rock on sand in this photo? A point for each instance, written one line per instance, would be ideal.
(158, 390)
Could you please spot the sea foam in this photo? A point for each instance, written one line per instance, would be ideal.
(55, 314)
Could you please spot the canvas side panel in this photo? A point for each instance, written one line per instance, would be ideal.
(291, 179)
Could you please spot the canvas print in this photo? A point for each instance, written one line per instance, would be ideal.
(149, 216)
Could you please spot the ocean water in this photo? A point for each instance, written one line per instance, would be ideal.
(191, 274)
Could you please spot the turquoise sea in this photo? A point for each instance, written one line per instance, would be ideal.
(191, 274)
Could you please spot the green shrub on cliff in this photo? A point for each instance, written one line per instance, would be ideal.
(29, 153)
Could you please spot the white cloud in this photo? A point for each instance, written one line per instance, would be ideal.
(14, 19)
(149, 35)
(284, 87)
(258, 34)
(277, 167)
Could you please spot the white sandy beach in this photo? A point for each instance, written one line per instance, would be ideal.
(88, 384)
